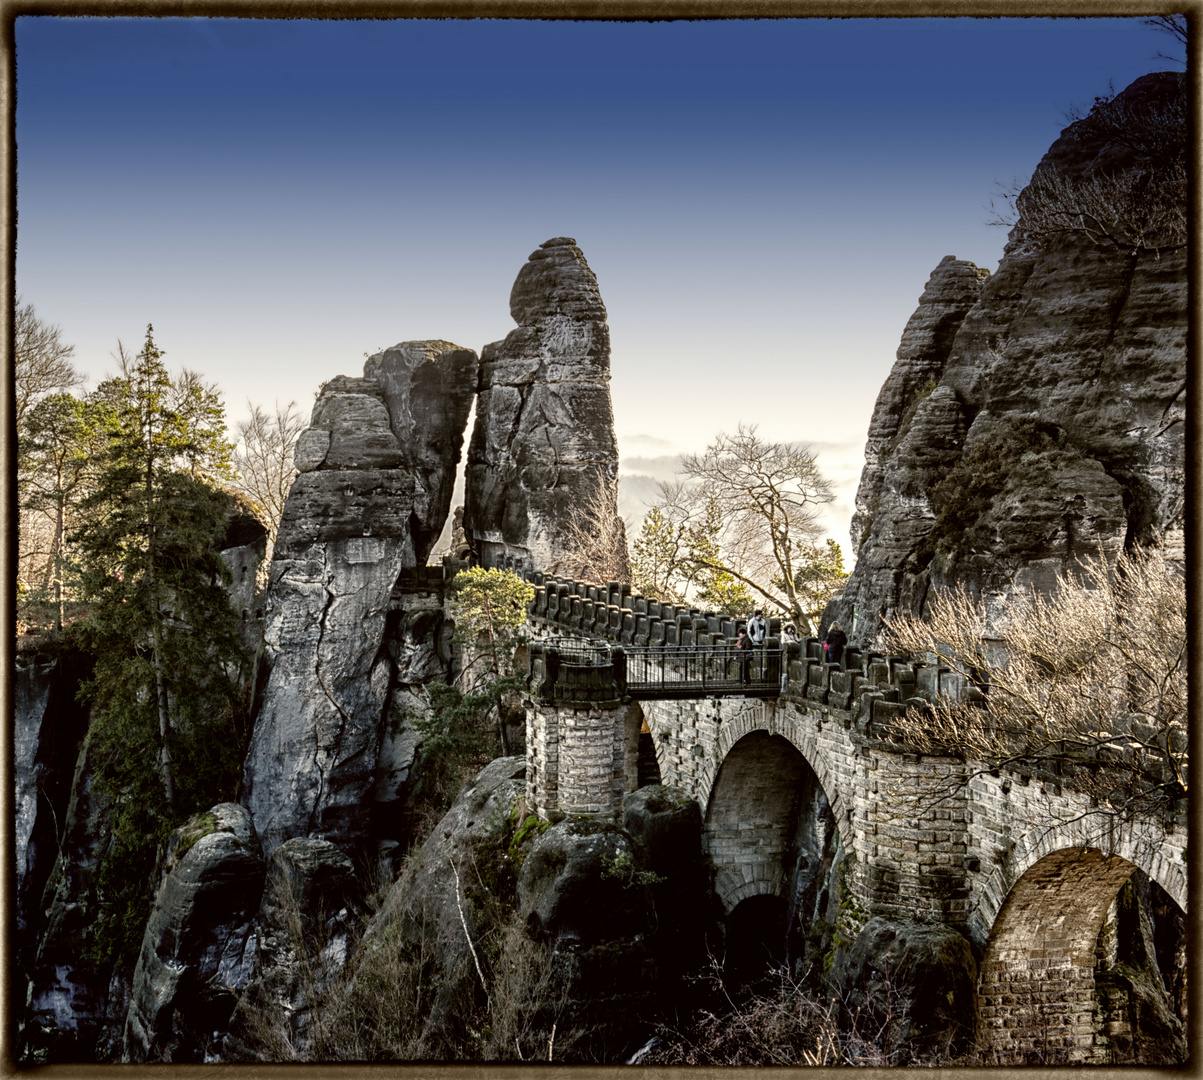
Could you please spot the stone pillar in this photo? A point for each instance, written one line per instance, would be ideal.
(542, 757)
(591, 758)
(575, 757)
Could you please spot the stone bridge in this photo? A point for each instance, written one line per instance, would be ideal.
(1020, 863)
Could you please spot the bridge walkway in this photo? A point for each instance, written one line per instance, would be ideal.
(667, 672)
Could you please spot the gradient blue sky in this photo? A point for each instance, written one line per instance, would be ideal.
(762, 201)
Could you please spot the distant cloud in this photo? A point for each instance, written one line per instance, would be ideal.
(664, 467)
(646, 442)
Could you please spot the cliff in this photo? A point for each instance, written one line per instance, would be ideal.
(1035, 417)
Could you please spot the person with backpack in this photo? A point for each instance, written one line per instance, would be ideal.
(757, 628)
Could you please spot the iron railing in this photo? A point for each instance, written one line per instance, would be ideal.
(701, 671)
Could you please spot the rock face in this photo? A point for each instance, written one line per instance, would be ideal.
(917, 979)
(195, 952)
(301, 943)
(371, 497)
(71, 1005)
(543, 446)
(1034, 417)
(428, 388)
(48, 727)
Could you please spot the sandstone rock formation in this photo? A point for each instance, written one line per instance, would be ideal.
(48, 727)
(72, 1004)
(543, 447)
(1034, 418)
(377, 466)
(435, 908)
(196, 949)
(301, 943)
(916, 980)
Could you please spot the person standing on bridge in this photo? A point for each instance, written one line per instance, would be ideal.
(757, 628)
(743, 646)
(834, 643)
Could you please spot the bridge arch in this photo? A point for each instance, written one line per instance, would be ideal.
(1135, 843)
(769, 827)
(767, 717)
(1036, 991)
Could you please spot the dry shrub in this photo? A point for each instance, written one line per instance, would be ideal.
(787, 1024)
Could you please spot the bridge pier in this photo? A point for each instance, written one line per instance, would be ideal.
(577, 758)
(578, 745)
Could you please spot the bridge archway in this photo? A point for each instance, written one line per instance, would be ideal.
(1036, 988)
(772, 839)
(1130, 841)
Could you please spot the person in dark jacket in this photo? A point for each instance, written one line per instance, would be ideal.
(834, 643)
(743, 644)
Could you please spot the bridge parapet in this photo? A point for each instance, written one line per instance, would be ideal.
(612, 613)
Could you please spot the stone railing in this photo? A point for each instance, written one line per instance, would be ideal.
(866, 683)
(867, 689)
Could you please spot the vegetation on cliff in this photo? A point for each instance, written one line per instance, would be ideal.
(1090, 679)
(740, 530)
(169, 717)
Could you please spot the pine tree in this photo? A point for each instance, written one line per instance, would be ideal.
(166, 690)
(58, 456)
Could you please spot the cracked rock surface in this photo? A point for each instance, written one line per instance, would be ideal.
(1064, 371)
(543, 444)
(195, 950)
(373, 493)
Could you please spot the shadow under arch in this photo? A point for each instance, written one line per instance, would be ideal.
(1037, 999)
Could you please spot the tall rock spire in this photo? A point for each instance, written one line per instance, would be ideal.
(543, 452)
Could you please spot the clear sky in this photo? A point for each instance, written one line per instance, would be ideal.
(762, 200)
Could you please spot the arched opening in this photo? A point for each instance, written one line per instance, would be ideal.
(755, 939)
(1074, 970)
(771, 837)
(647, 767)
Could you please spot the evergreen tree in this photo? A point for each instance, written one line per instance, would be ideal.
(58, 452)
(166, 690)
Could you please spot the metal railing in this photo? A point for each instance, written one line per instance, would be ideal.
(701, 671)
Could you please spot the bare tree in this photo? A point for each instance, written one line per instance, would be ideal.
(597, 537)
(1176, 27)
(264, 460)
(1132, 198)
(41, 362)
(1092, 677)
(755, 505)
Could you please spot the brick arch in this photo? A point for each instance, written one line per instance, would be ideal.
(762, 716)
(1128, 840)
(751, 816)
(1036, 980)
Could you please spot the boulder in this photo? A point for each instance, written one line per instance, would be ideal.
(439, 909)
(580, 884)
(195, 955)
(1064, 374)
(915, 981)
(543, 447)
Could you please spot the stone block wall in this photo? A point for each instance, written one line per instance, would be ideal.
(576, 757)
